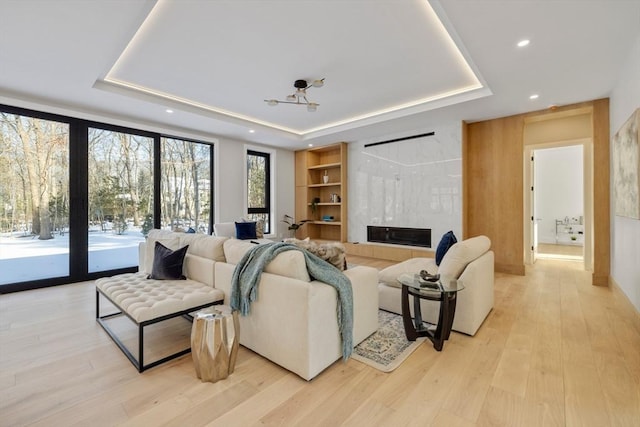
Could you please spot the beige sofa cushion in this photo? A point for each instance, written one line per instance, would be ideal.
(225, 229)
(289, 263)
(461, 254)
(200, 245)
(205, 246)
(235, 249)
(390, 274)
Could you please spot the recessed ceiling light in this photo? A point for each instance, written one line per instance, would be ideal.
(534, 96)
(310, 145)
(252, 131)
(523, 43)
(168, 110)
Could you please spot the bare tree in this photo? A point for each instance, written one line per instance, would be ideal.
(39, 141)
(196, 182)
(129, 146)
(120, 175)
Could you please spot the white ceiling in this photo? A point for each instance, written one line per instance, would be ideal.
(391, 66)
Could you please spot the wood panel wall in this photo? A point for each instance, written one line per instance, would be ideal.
(493, 176)
(601, 196)
(301, 190)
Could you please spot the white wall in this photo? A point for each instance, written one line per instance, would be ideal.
(558, 188)
(414, 183)
(625, 232)
(230, 189)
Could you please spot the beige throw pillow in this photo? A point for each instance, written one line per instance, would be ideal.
(390, 274)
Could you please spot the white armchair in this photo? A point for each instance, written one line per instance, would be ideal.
(471, 261)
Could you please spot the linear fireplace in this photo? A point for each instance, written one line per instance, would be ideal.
(400, 235)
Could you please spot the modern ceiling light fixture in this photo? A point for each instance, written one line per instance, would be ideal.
(299, 97)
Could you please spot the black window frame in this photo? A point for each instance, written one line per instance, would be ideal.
(79, 194)
(267, 191)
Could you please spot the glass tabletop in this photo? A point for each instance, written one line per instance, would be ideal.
(444, 284)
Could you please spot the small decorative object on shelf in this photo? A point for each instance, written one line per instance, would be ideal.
(325, 177)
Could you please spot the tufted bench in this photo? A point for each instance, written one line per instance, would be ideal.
(147, 301)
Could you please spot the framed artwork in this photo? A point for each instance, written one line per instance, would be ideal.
(626, 168)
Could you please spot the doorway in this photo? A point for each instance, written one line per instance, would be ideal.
(558, 207)
(557, 175)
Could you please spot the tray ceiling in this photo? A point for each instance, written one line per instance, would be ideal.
(378, 59)
(392, 67)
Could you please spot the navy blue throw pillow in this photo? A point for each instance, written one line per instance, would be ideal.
(246, 230)
(448, 240)
(167, 264)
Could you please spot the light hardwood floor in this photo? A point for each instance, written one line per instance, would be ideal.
(554, 351)
(546, 250)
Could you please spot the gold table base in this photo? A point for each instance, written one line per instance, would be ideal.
(214, 342)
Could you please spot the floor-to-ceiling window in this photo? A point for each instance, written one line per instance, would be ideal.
(120, 209)
(77, 197)
(186, 184)
(34, 198)
(259, 188)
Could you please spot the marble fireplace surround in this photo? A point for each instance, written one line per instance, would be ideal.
(414, 183)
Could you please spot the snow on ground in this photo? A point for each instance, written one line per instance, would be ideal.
(25, 258)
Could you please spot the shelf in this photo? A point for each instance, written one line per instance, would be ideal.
(566, 230)
(330, 184)
(325, 166)
(313, 166)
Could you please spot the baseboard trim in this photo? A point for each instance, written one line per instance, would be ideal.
(516, 269)
(600, 280)
(617, 290)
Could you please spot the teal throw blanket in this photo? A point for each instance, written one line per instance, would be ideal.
(246, 276)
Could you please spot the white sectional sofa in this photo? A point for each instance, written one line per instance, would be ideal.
(471, 261)
(293, 322)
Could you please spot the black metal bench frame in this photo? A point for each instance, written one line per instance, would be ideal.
(139, 364)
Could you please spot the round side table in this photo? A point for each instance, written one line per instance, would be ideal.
(445, 291)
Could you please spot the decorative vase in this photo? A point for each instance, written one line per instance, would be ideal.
(325, 177)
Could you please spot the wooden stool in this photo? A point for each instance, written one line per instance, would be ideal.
(214, 342)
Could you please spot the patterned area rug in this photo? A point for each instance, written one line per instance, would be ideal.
(388, 347)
